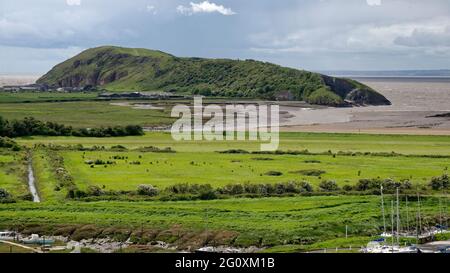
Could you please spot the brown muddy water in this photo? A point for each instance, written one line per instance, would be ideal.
(414, 101)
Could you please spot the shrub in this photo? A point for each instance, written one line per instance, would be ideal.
(118, 147)
(153, 149)
(312, 161)
(94, 191)
(6, 142)
(208, 195)
(328, 186)
(324, 96)
(311, 172)
(236, 189)
(347, 188)
(266, 189)
(147, 190)
(235, 151)
(389, 185)
(440, 183)
(274, 173)
(4, 194)
(262, 159)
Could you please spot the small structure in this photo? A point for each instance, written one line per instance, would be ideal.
(28, 87)
(7, 235)
(37, 240)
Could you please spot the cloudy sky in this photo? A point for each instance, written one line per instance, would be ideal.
(308, 34)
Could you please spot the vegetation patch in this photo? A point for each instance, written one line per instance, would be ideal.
(311, 172)
(29, 126)
(273, 173)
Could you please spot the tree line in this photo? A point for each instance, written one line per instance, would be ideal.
(30, 126)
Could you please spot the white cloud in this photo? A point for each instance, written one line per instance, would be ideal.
(151, 9)
(204, 7)
(73, 2)
(418, 36)
(374, 2)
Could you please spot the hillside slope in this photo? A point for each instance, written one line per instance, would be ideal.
(127, 69)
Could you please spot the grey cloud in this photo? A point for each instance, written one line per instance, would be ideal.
(311, 34)
(425, 39)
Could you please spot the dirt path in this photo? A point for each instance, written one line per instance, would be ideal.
(21, 246)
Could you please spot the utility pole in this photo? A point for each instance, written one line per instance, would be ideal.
(346, 231)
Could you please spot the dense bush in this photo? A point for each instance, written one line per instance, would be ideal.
(274, 173)
(152, 149)
(6, 142)
(186, 188)
(329, 186)
(266, 189)
(30, 126)
(440, 183)
(389, 185)
(324, 96)
(4, 194)
(94, 191)
(235, 151)
(147, 190)
(311, 172)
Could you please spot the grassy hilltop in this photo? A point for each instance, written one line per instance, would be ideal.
(129, 69)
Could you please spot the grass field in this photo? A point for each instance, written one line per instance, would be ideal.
(86, 114)
(162, 170)
(202, 164)
(27, 97)
(245, 222)
(12, 172)
(314, 142)
(288, 224)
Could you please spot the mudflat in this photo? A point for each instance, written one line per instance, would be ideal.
(415, 104)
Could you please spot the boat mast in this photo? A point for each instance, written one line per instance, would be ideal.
(382, 209)
(446, 209)
(407, 215)
(392, 224)
(419, 216)
(440, 214)
(417, 228)
(398, 220)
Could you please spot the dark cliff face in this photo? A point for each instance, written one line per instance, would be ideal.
(128, 69)
(355, 92)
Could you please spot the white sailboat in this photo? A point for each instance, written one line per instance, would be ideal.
(380, 246)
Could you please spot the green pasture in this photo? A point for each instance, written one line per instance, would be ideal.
(314, 142)
(164, 169)
(28, 97)
(86, 114)
(12, 173)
